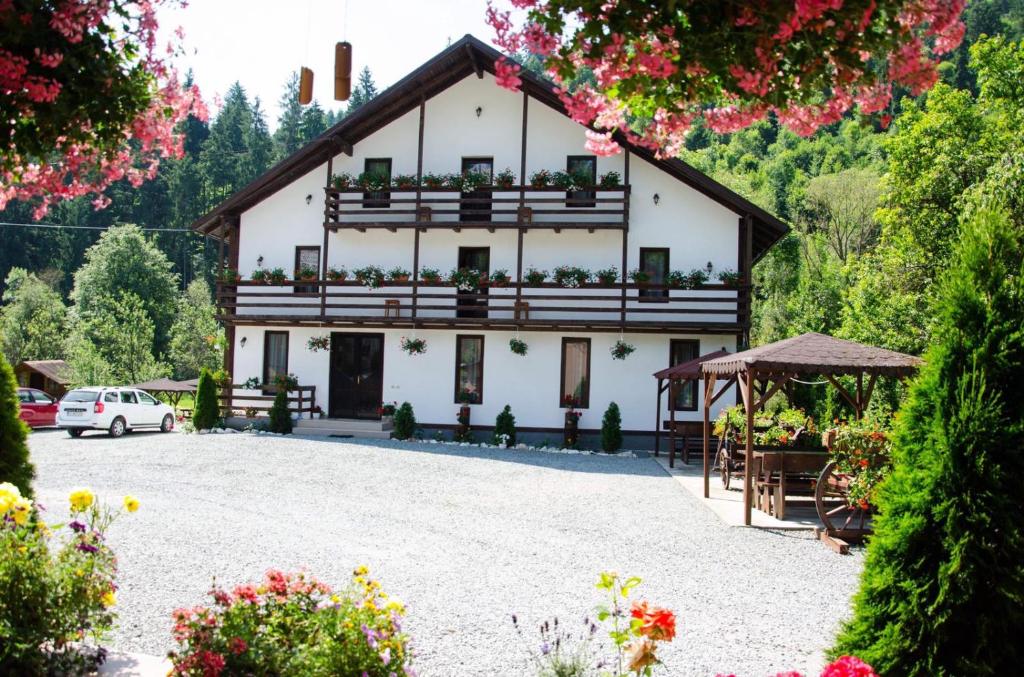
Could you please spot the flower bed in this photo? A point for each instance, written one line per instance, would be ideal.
(292, 624)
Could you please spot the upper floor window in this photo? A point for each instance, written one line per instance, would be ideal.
(476, 204)
(583, 166)
(654, 262)
(679, 351)
(469, 369)
(380, 168)
(575, 372)
(307, 259)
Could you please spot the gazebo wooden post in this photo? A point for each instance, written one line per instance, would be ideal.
(709, 389)
(657, 421)
(748, 461)
(672, 424)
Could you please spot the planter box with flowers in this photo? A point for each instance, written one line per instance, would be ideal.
(571, 276)
(387, 412)
(370, 277)
(306, 273)
(607, 276)
(398, 275)
(534, 277)
(499, 278)
(465, 279)
(639, 276)
(430, 276)
(337, 274)
(228, 276)
(730, 278)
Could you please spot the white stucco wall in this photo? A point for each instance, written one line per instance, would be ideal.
(530, 383)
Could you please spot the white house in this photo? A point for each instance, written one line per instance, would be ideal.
(449, 117)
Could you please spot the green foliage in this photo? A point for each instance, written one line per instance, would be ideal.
(112, 343)
(124, 264)
(196, 338)
(364, 91)
(280, 417)
(55, 593)
(943, 579)
(33, 319)
(505, 428)
(15, 466)
(611, 429)
(404, 422)
(207, 408)
(291, 624)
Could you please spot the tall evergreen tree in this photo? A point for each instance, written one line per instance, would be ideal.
(15, 466)
(364, 90)
(259, 144)
(314, 122)
(288, 136)
(224, 157)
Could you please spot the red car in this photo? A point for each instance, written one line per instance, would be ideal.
(37, 408)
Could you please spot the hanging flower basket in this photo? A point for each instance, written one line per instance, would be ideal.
(414, 346)
(517, 346)
(318, 343)
(621, 350)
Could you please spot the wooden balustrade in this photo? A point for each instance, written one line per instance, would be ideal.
(489, 207)
(301, 403)
(708, 307)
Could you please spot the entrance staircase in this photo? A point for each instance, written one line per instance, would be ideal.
(343, 427)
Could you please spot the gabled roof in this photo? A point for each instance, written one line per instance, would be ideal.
(815, 353)
(55, 370)
(689, 370)
(465, 57)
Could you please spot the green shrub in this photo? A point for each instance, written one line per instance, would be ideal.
(943, 579)
(14, 464)
(54, 592)
(505, 428)
(207, 410)
(611, 429)
(292, 624)
(405, 422)
(280, 417)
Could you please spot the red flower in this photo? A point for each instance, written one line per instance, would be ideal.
(848, 666)
(657, 623)
(238, 645)
(247, 593)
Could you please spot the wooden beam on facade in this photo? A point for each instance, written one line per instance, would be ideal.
(475, 62)
(709, 387)
(323, 255)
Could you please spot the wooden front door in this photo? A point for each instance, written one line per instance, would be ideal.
(474, 258)
(357, 375)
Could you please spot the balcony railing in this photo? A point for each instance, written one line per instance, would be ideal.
(708, 308)
(489, 207)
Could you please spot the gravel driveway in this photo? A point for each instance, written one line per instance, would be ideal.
(464, 536)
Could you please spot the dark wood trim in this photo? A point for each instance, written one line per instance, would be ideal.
(287, 355)
(323, 259)
(474, 61)
(459, 339)
(585, 400)
(672, 343)
(377, 199)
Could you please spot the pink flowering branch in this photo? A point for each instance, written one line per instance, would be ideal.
(99, 104)
(658, 68)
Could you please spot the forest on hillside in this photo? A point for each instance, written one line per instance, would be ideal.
(874, 212)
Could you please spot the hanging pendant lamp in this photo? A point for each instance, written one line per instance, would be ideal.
(342, 71)
(305, 86)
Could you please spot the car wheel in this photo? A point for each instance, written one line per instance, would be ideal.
(167, 424)
(75, 432)
(117, 427)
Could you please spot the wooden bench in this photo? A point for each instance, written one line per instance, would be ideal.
(688, 434)
(779, 472)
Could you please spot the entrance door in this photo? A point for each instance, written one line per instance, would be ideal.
(474, 258)
(357, 375)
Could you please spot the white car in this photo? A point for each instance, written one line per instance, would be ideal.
(115, 410)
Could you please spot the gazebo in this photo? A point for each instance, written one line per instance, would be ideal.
(778, 363)
(172, 389)
(671, 379)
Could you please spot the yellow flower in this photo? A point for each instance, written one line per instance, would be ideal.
(22, 509)
(109, 599)
(8, 494)
(131, 504)
(335, 599)
(361, 570)
(81, 499)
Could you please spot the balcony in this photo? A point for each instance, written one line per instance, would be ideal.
(705, 309)
(491, 207)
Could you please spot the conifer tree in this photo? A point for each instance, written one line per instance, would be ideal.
(943, 579)
(505, 427)
(207, 409)
(280, 417)
(404, 422)
(15, 466)
(363, 92)
(611, 429)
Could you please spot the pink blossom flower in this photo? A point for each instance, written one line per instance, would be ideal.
(506, 74)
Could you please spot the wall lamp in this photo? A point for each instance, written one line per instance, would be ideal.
(309, 198)
(242, 342)
(710, 267)
(479, 110)
(259, 262)
(657, 198)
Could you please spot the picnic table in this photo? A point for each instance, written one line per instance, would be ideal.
(781, 472)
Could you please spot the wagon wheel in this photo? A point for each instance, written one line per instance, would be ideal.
(839, 518)
(723, 467)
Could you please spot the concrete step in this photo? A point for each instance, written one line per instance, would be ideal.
(342, 423)
(341, 431)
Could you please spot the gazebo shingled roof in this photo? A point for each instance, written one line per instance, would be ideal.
(166, 385)
(688, 370)
(814, 353)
